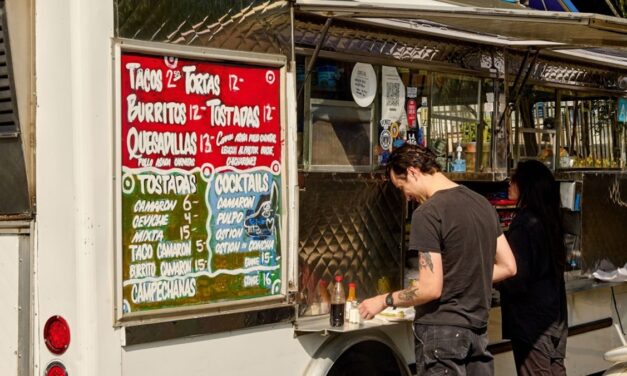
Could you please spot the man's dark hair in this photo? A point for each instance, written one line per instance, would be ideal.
(415, 156)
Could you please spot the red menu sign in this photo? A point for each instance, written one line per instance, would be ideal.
(201, 181)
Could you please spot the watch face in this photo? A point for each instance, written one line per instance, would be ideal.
(389, 300)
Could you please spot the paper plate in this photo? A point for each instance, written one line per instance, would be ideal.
(605, 276)
(394, 314)
(363, 84)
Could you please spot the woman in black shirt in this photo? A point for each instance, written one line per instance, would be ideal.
(533, 303)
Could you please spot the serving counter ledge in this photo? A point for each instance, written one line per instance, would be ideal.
(320, 324)
(576, 282)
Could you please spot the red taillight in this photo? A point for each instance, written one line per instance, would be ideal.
(55, 369)
(57, 335)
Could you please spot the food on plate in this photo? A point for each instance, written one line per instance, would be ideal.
(392, 313)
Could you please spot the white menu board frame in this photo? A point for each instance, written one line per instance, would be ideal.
(209, 56)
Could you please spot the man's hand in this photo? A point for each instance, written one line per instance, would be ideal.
(427, 288)
(370, 307)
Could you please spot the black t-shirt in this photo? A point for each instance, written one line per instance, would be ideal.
(462, 226)
(533, 303)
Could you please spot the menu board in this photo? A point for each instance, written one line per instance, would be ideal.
(200, 181)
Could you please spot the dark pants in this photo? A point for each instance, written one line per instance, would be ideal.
(451, 350)
(531, 361)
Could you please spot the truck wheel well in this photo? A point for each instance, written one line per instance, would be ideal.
(368, 358)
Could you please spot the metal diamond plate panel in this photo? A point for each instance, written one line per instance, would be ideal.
(156, 19)
(350, 225)
(603, 216)
(354, 39)
(247, 25)
(264, 27)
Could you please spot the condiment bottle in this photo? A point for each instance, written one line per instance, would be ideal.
(352, 297)
(323, 297)
(338, 303)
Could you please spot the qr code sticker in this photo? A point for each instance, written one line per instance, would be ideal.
(393, 89)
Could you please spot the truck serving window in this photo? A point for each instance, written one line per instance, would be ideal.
(339, 130)
(8, 115)
(14, 198)
(340, 134)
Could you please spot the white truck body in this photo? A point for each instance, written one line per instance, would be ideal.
(62, 261)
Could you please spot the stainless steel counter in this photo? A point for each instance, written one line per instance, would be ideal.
(320, 324)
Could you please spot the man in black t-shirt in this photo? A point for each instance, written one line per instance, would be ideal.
(462, 251)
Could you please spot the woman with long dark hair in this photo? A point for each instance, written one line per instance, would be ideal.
(533, 303)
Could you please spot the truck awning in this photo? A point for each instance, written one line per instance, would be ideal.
(514, 27)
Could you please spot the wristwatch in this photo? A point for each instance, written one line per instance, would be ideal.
(389, 300)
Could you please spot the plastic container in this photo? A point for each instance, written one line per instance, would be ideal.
(459, 161)
(470, 154)
(323, 298)
(350, 299)
(354, 317)
(327, 76)
(338, 303)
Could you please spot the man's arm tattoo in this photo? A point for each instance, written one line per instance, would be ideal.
(425, 261)
(408, 295)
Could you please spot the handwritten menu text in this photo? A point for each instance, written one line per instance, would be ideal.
(201, 181)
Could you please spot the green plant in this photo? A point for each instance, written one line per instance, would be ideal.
(469, 132)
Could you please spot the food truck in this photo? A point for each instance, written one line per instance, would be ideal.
(179, 177)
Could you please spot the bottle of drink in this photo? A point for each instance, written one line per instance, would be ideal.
(338, 302)
(352, 297)
(323, 297)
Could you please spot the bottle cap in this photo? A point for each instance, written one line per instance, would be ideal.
(338, 278)
(352, 284)
(323, 282)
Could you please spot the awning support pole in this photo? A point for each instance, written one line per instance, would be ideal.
(611, 6)
(292, 170)
(512, 102)
(314, 57)
(517, 92)
(293, 43)
(518, 75)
